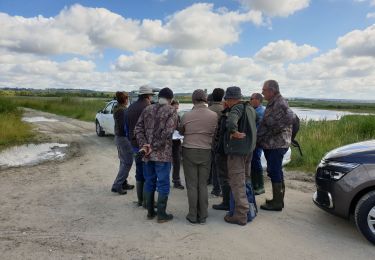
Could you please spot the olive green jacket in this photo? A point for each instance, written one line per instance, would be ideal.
(241, 118)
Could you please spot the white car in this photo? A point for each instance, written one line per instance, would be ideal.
(105, 124)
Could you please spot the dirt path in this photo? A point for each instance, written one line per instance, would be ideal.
(65, 210)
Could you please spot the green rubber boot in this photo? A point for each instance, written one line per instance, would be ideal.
(276, 204)
(283, 190)
(162, 206)
(259, 183)
(150, 204)
(254, 182)
(139, 187)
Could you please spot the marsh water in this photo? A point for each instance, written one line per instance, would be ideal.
(304, 113)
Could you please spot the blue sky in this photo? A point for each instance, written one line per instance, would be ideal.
(288, 43)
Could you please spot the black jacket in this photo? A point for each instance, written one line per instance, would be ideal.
(119, 118)
(132, 115)
(220, 132)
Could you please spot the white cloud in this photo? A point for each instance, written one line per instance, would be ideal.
(370, 15)
(189, 28)
(282, 8)
(83, 30)
(372, 2)
(346, 71)
(76, 65)
(284, 51)
(358, 42)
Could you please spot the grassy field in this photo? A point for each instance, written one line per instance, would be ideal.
(318, 137)
(12, 130)
(75, 107)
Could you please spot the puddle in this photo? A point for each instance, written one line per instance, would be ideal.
(38, 119)
(31, 154)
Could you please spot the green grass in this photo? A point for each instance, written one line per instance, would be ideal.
(12, 130)
(332, 105)
(74, 107)
(318, 137)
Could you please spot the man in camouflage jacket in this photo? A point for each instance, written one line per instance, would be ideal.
(154, 131)
(274, 136)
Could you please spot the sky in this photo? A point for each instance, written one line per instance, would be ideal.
(313, 48)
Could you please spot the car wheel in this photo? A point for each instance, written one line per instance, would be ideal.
(99, 130)
(365, 216)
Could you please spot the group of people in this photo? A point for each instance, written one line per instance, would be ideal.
(228, 136)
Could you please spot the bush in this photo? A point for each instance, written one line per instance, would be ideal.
(13, 130)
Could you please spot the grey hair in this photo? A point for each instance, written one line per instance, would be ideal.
(272, 84)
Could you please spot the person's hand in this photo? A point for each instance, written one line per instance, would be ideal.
(147, 148)
(238, 135)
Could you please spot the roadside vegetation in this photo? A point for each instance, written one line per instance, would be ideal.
(12, 130)
(74, 107)
(318, 137)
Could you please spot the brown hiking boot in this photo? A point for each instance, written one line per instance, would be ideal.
(234, 220)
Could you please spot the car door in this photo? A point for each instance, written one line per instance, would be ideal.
(107, 118)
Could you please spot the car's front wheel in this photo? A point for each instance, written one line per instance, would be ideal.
(99, 130)
(365, 216)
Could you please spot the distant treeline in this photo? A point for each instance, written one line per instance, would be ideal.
(349, 105)
(55, 93)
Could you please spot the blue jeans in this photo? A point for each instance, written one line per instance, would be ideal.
(157, 177)
(274, 159)
(256, 162)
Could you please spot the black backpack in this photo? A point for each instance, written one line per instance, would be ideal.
(295, 129)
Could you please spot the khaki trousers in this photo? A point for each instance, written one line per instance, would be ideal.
(197, 163)
(237, 171)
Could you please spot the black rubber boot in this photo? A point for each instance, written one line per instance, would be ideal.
(139, 186)
(225, 204)
(162, 206)
(150, 204)
(259, 183)
(276, 204)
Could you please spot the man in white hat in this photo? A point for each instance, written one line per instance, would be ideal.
(132, 114)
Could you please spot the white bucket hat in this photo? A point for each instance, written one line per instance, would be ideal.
(145, 90)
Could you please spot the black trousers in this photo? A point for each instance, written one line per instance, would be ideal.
(176, 160)
(214, 174)
(222, 169)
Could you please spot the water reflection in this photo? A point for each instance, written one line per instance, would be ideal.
(31, 154)
(305, 113)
